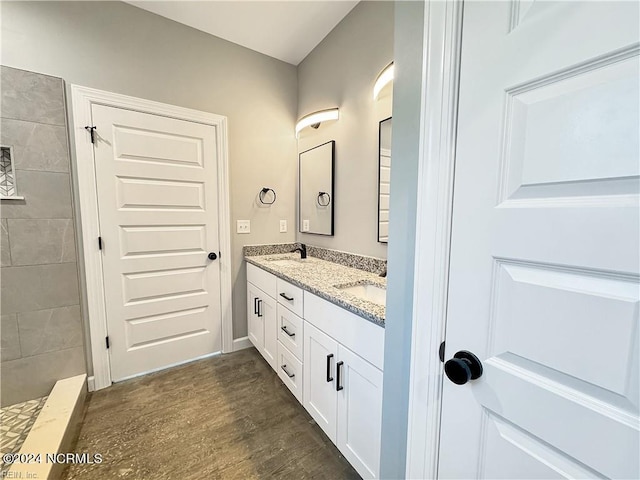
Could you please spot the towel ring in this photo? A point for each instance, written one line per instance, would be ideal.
(264, 192)
(322, 195)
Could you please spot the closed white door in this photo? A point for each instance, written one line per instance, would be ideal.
(320, 359)
(544, 272)
(359, 412)
(158, 205)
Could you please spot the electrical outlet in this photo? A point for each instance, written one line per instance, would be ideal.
(243, 226)
(283, 226)
(305, 225)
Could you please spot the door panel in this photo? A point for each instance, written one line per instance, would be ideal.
(320, 400)
(360, 413)
(544, 280)
(270, 347)
(157, 195)
(255, 324)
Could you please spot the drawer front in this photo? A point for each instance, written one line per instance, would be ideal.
(290, 296)
(265, 281)
(290, 371)
(290, 331)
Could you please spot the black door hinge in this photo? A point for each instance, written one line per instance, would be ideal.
(92, 131)
(99, 243)
(441, 352)
(107, 340)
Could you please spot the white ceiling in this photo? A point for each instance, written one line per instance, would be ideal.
(286, 30)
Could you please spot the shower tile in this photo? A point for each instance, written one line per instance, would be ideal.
(36, 242)
(4, 244)
(49, 330)
(15, 424)
(9, 339)
(42, 371)
(47, 195)
(32, 96)
(30, 288)
(36, 146)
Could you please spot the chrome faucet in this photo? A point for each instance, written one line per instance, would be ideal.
(302, 249)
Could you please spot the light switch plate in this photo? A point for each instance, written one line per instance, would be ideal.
(283, 226)
(305, 225)
(243, 226)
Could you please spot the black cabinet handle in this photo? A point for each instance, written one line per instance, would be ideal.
(329, 377)
(284, 369)
(255, 305)
(338, 370)
(284, 329)
(259, 307)
(284, 295)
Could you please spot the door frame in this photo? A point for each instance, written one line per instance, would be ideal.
(441, 71)
(83, 98)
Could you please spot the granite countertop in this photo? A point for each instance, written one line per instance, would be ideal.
(321, 278)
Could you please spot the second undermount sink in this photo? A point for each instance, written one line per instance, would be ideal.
(370, 292)
(286, 262)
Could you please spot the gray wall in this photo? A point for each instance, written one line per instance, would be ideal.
(340, 72)
(119, 48)
(407, 99)
(41, 327)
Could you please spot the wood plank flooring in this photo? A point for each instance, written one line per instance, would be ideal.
(227, 417)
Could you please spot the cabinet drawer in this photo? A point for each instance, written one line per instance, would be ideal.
(265, 281)
(290, 371)
(290, 331)
(290, 296)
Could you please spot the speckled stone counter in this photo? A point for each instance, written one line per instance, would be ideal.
(322, 278)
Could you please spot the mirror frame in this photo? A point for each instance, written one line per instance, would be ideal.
(379, 166)
(333, 188)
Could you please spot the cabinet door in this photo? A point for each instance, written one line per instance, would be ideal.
(319, 393)
(359, 412)
(267, 310)
(255, 325)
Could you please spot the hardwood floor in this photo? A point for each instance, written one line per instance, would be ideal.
(227, 417)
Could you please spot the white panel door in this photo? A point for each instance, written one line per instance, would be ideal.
(319, 378)
(158, 203)
(359, 412)
(544, 273)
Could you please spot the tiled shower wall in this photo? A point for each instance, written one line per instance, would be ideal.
(41, 330)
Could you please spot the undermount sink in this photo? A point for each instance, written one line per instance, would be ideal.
(370, 292)
(287, 262)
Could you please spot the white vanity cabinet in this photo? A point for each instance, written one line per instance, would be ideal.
(261, 313)
(329, 358)
(343, 389)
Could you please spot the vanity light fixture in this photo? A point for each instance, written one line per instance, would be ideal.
(314, 119)
(383, 79)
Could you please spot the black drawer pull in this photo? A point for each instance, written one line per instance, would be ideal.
(284, 329)
(338, 386)
(329, 377)
(259, 307)
(284, 369)
(286, 297)
(255, 305)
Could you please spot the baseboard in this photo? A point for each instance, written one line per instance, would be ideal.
(91, 383)
(241, 343)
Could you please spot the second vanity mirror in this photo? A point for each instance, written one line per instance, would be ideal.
(315, 194)
(384, 177)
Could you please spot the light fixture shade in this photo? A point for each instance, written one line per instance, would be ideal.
(383, 79)
(317, 117)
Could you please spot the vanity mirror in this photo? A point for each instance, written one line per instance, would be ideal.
(315, 192)
(384, 177)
